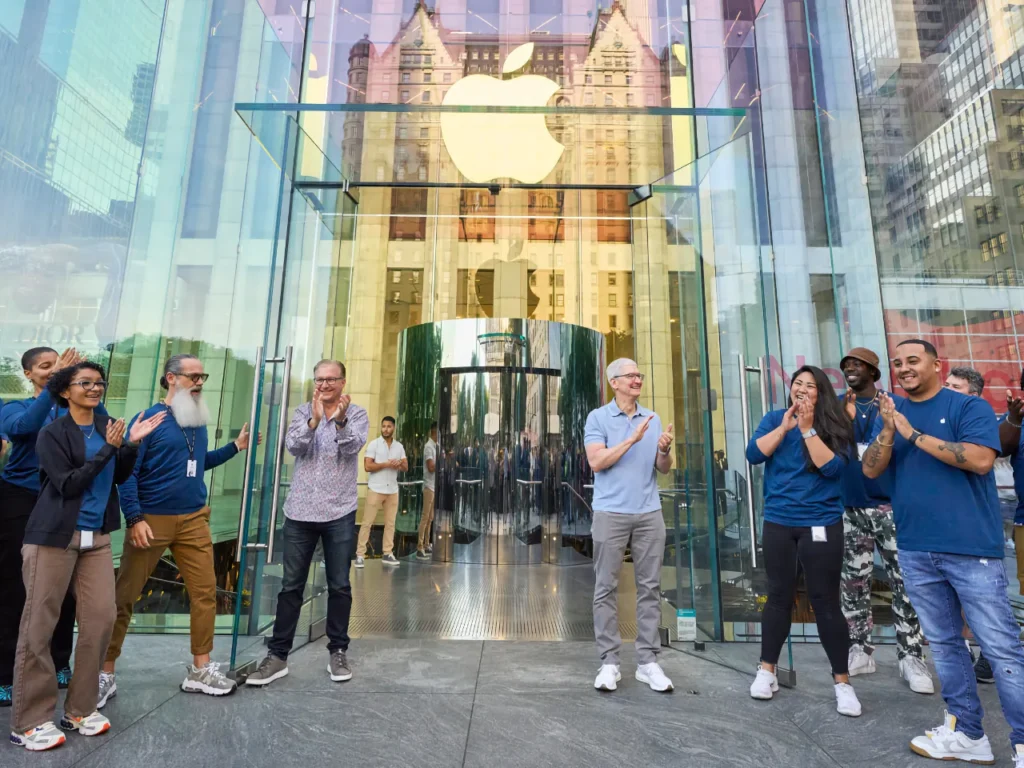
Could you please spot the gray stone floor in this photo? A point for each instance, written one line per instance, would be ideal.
(499, 704)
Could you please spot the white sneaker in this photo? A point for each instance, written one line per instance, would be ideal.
(608, 677)
(360, 562)
(946, 743)
(860, 661)
(915, 672)
(90, 725)
(1018, 756)
(765, 685)
(38, 739)
(654, 676)
(847, 702)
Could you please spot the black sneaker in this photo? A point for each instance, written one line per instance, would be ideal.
(983, 670)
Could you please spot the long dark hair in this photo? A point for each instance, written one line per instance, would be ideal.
(830, 420)
(61, 380)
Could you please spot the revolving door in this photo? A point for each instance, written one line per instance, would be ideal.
(510, 398)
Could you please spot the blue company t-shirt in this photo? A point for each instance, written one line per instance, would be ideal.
(936, 507)
(859, 490)
(793, 494)
(94, 500)
(629, 485)
(1017, 462)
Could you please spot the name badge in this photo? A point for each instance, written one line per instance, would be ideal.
(85, 540)
(190, 469)
(861, 449)
(818, 533)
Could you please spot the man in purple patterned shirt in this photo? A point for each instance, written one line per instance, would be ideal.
(325, 437)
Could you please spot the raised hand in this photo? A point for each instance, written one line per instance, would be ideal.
(641, 430)
(887, 408)
(115, 432)
(1014, 408)
(142, 428)
(665, 441)
(242, 441)
(804, 415)
(850, 404)
(68, 358)
(343, 403)
(789, 418)
(318, 409)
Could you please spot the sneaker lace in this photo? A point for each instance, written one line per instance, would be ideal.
(338, 657)
(916, 666)
(265, 665)
(212, 670)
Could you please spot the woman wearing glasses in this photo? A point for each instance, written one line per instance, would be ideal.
(805, 450)
(82, 455)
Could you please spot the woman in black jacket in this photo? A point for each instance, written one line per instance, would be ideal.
(82, 457)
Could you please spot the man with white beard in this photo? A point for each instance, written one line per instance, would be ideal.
(164, 505)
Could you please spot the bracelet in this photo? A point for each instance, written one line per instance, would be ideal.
(885, 445)
(132, 521)
(1015, 426)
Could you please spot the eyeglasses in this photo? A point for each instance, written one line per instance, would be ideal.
(328, 380)
(196, 378)
(638, 376)
(88, 386)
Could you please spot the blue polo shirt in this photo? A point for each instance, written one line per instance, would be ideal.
(938, 507)
(630, 485)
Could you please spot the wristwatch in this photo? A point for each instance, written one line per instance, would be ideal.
(915, 436)
(809, 433)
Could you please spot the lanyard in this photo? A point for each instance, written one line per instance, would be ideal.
(191, 446)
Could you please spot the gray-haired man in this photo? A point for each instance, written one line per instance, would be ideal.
(625, 445)
(325, 437)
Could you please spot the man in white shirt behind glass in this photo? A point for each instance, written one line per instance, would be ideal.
(424, 550)
(385, 458)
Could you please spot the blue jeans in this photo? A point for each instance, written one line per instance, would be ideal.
(300, 538)
(939, 586)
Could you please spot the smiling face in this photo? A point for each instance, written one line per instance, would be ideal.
(85, 390)
(183, 381)
(916, 369)
(329, 382)
(804, 389)
(629, 382)
(859, 375)
(41, 370)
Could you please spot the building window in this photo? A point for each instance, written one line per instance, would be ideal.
(447, 77)
(607, 99)
(385, 96)
(588, 79)
(1016, 160)
(588, 99)
(994, 247)
(405, 77)
(613, 279)
(427, 77)
(613, 300)
(405, 97)
(425, 96)
(607, 79)
(613, 321)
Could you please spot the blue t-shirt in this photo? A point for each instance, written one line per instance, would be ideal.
(1017, 462)
(793, 494)
(160, 484)
(94, 500)
(936, 507)
(859, 490)
(630, 484)
(21, 421)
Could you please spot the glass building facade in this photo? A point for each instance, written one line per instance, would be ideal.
(723, 190)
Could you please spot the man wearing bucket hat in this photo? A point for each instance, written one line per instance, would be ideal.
(867, 523)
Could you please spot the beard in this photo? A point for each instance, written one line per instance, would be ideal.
(189, 411)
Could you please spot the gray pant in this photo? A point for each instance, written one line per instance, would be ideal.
(612, 532)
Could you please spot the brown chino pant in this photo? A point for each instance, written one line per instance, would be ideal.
(48, 573)
(188, 537)
(375, 502)
(423, 539)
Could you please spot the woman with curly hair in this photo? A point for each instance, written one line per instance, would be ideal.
(83, 456)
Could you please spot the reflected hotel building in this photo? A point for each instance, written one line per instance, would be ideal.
(722, 191)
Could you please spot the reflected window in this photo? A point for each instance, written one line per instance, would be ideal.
(408, 219)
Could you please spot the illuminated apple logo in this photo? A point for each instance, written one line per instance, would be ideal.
(486, 146)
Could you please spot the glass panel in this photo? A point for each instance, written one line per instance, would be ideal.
(697, 259)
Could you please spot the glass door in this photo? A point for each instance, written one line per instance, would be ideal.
(701, 293)
(308, 309)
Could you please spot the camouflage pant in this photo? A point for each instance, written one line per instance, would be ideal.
(863, 528)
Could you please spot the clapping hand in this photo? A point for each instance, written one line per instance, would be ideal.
(789, 418)
(115, 432)
(342, 410)
(641, 430)
(318, 410)
(142, 427)
(804, 415)
(893, 419)
(1014, 408)
(850, 404)
(665, 441)
(68, 358)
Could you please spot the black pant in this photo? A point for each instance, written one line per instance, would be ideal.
(300, 540)
(822, 562)
(16, 505)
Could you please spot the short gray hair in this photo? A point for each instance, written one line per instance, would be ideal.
(616, 367)
(322, 363)
(975, 381)
(173, 365)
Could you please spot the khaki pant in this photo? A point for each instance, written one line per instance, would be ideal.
(188, 538)
(374, 503)
(48, 573)
(423, 540)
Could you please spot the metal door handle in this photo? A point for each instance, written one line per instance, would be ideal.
(412, 482)
(763, 370)
(745, 420)
(282, 434)
(469, 482)
(249, 459)
(530, 482)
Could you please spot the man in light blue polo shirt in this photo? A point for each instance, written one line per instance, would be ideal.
(625, 444)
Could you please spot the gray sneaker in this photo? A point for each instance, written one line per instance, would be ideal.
(270, 669)
(339, 668)
(207, 679)
(108, 689)
(391, 560)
